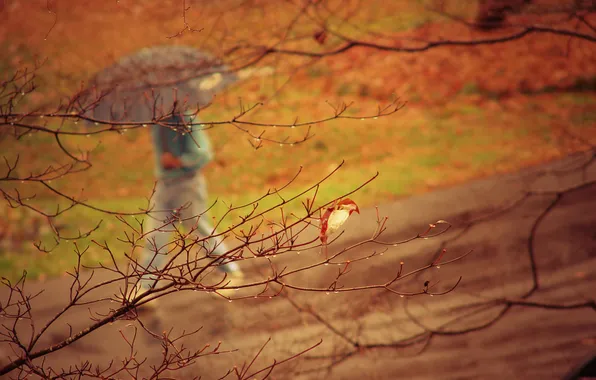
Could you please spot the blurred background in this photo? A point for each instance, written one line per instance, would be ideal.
(470, 111)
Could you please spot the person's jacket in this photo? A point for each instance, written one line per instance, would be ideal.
(193, 148)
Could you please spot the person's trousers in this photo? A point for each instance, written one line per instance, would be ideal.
(179, 202)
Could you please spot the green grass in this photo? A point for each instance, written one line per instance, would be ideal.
(62, 257)
(585, 119)
(401, 22)
(318, 71)
(112, 231)
(485, 158)
(470, 88)
(469, 109)
(429, 161)
(413, 14)
(579, 99)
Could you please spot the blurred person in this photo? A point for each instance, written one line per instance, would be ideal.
(180, 197)
(171, 72)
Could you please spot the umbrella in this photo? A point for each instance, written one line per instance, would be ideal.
(156, 81)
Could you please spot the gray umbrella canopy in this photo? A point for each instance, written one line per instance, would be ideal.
(156, 81)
